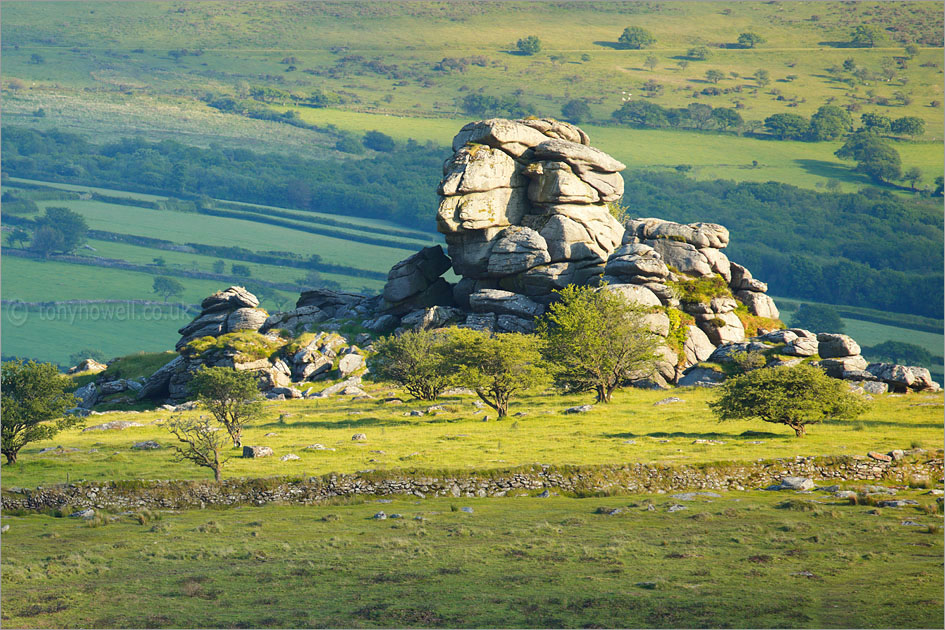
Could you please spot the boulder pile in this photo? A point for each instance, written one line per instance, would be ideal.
(527, 207)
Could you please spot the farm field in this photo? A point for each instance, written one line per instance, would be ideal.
(632, 428)
(811, 565)
(711, 156)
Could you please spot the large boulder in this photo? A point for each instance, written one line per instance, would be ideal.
(415, 274)
(517, 249)
(510, 136)
(478, 168)
(229, 300)
(759, 304)
(697, 347)
(635, 294)
(836, 346)
(683, 256)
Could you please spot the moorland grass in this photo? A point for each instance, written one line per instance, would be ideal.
(730, 561)
(631, 429)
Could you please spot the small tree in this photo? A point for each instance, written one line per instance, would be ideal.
(202, 442)
(636, 37)
(727, 118)
(47, 240)
(18, 236)
(913, 175)
(714, 76)
(496, 366)
(378, 141)
(651, 62)
(874, 156)
(596, 340)
(875, 123)
(762, 77)
(908, 126)
(576, 111)
(230, 395)
(167, 287)
(794, 396)
(33, 398)
(219, 266)
(750, 40)
(787, 126)
(866, 36)
(416, 360)
(830, 122)
(530, 45)
(911, 50)
(71, 225)
(242, 271)
(699, 53)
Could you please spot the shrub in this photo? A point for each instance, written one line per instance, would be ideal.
(530, 45)
(417, 361)
(231, 396)
(636, 37)
(33, 399)
(597, 340)
(794, 396)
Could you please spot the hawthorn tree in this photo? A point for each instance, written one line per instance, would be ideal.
(530, 45)
(795, 396)
(231, 396)
(496, 366)
(33, 400)
(166, 287)
(416, 360)
(596, 340)
(203, 443)
(750, 40)
(636, 37)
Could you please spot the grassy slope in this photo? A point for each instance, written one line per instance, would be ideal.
(631, 429)
(417, 35)
(513, 562)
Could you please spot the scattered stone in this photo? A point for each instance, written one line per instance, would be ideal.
(879, 456)
(669, 401)
(289, 457)
(795, 483)
(897, 503)
(911, 524)
(676, 507)
(415, 413)
(256, 451)
(115, 425)
(149, 445)
(692, 496)
(380, 516)
(396, 516)
(359, 437)
(468, 510)
(579, 409)
(4, 529)
(544, 495)
(86, 514)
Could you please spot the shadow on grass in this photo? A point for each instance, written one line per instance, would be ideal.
(701, 436)
(611, 45)
(353, 423)
(890, 423)
(831, 170)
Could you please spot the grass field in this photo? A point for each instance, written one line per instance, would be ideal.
(122, 52)
(631, 429)
(512, 562)
(712, 156)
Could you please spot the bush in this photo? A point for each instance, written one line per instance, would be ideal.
(416, 360)
(636, 37)
(33, 398)
(496, 366)
(378, 141)
(530, 45)
(597, 340)
(231, 396)
(794, 396)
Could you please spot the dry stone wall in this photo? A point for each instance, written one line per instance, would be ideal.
(616, 479)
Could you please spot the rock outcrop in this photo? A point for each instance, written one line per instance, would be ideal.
(232, 310)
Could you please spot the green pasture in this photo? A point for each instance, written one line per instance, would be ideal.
(125, 47)
(711, 155)
(182, 227)
(811, 561)
(196, 262)
(631, 429)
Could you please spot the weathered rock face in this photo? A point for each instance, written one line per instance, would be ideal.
(524, 209)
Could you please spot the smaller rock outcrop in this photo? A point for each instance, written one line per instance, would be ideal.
(231, 310)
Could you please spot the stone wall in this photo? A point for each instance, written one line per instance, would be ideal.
(614, 479)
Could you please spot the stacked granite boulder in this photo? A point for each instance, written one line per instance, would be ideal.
(231, 310)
